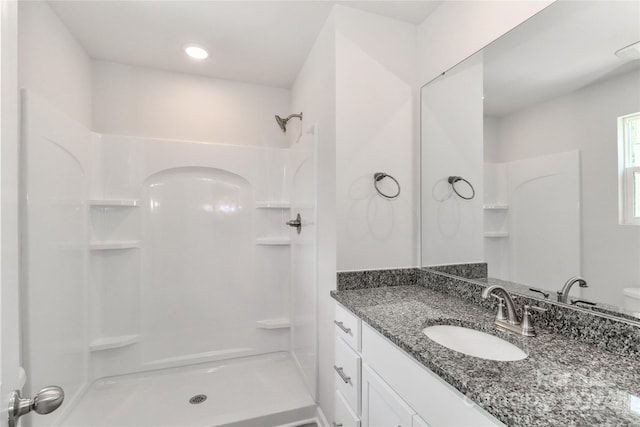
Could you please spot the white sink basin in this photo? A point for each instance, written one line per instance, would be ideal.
(474, 343)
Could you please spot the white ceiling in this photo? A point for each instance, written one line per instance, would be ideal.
(263, 42)
(564, 48)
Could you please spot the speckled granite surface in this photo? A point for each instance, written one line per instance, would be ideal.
(614, 335)
(376, 278)
(477, 270)
(563, 382)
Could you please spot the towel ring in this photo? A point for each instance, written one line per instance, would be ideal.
(453, 179)
(379, 176)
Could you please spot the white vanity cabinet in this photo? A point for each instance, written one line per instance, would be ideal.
(391, 389)
(432, 399)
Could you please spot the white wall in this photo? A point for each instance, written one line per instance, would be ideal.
(457, 29)
(375, 107)
(314, 93)
(377, 71)
(586, 120)
(51, 63)
(453, 228)
(144, 102)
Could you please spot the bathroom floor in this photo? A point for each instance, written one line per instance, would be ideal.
(253, 391)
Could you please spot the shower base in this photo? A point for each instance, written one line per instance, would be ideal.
(254, 391)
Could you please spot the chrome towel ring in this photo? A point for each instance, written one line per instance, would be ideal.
(453, 179)
(379, 176)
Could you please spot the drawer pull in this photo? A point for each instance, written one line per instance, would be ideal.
(335, 424)
(344, 328)
(340, 372)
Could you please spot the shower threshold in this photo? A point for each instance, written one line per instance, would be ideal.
(256, 391)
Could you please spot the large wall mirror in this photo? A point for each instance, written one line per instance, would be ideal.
(528, 156)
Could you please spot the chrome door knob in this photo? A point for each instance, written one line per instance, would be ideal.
(46, 401)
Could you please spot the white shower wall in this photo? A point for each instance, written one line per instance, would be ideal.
(206, 271)
(54, 249)
(145, 254)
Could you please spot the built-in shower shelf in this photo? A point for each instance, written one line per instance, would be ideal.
(496, 234)
(273, 205)
(496, 207)
(280, 323)
(114, 203)
(273, 241)
(117, 244)
(108, 343)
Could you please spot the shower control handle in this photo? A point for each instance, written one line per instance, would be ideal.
(297, 223)
(45, 401)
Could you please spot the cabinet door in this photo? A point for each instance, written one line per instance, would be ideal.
(344, 417)
(381, 406)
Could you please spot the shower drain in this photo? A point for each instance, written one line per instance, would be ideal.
(198, 398)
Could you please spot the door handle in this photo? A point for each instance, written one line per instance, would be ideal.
(343, 376)
(344, 328)
(46, 401)
(297, 223)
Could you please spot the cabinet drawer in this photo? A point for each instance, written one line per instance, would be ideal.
(347, 327)
(347, 373)
(344, 416)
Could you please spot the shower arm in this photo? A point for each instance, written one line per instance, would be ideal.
(283, 122)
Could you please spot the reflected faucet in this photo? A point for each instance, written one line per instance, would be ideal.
(563, 295)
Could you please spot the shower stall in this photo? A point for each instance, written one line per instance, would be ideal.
(161, 283)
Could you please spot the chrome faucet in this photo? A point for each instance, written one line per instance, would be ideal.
(511, 322)
(563, 295)
(505, 300)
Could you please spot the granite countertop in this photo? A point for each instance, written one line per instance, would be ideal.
(563, 382)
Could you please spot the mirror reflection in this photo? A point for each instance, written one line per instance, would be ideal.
(544, 123)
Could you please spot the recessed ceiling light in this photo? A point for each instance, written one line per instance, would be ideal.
(196, 52)
(630, 52)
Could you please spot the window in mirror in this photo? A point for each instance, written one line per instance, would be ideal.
(629, 135)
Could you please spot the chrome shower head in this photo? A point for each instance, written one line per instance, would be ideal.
(283, 122)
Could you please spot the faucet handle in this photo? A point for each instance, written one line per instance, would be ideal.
(528, 330)
(501, 314)
(528, 308)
